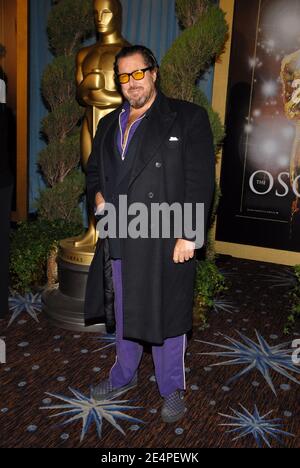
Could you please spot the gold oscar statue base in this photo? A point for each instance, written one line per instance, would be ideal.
(63, 303)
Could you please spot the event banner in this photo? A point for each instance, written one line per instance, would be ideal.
(260, 176)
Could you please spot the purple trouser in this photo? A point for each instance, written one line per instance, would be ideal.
(168, 358)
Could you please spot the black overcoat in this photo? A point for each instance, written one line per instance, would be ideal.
(176, 164)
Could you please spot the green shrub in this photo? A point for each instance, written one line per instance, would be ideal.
(58, 81)
(295, 300)
(31, 244)
(191, 54)
(58, 159)
(57, 202)
(70, 23)
(209, 283)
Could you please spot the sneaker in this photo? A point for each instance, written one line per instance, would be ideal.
(173, 408)
(105, 390)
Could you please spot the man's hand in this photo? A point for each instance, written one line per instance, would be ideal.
(183, 251)
(100, 202)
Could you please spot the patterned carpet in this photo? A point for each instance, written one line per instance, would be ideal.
(49, 372)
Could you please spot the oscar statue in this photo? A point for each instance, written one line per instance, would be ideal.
(95, 81)
(97, 92)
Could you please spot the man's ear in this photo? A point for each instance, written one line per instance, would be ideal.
(154, 75)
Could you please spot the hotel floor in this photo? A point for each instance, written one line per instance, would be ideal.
(46, 379)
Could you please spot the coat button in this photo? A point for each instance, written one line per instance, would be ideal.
(158, 165)
(150, 194)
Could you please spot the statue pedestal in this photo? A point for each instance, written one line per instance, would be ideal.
(63, 303)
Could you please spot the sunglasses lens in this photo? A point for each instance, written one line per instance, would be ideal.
(138, 75)
(123, 78)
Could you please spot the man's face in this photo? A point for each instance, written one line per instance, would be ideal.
(105, 16)
(137, 93)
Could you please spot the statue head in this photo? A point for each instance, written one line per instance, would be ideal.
(108, 16)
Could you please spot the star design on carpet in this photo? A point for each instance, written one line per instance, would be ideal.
(108, 338)
(260, 356)
(29, 303)
(222, 305)
(92, 411)
(285, 278)
(256, 425)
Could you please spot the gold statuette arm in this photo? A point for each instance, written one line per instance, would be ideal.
(93, 90)
(111, 98)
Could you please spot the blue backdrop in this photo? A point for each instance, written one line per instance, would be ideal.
(149, 22)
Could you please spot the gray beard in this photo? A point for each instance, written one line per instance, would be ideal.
(139, 103)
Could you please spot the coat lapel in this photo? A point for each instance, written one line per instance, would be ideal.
(160, 120)
(104, 153)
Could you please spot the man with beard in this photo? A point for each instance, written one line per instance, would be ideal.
(152, 149)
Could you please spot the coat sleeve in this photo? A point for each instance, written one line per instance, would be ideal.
(93, 181)
(199, 167)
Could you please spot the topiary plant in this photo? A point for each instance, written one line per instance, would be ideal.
(294, 316)
(34, 243)
(200, 44)
(69, 23)
(209, 284)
